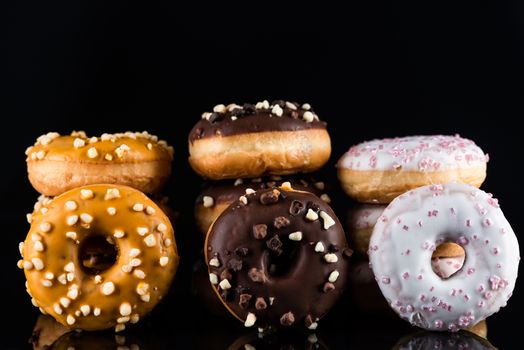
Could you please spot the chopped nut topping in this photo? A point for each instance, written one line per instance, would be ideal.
(208, 201)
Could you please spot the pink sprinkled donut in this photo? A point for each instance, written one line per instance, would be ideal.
(406, 235)
(377, 171)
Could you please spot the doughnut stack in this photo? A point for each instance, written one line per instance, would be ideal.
(99, 253)
(268, 228)
(440, 249)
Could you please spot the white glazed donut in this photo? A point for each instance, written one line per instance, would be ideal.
(377, 171)
(406, 235)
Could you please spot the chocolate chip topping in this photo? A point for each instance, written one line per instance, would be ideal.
(287, 319)
(260, 231)
(256, 276)
(274, 244)
(277, 116)
(296, 208)
(289, 276)
(281, 221)
(260, 304)
(235, 264)
(328, 286)
(244, 300)
(269, 197)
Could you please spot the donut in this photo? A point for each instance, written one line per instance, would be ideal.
(99, 256)
(361, 221)
(431, 341)
(56, 164)
(408, 232)
(253, 140)
(278, 258)
(377, 171)
(217, 196)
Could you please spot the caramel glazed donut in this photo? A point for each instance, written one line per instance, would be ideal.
(254, 140)
(408, 232)
(56, 164)
(378, 171)
(216, 197)
(278, 257)
(98, 256)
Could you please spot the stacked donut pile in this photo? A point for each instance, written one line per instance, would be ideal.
(267, 232)
(440, 249)
(99, 252)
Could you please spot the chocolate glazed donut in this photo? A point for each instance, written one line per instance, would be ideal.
(278, 257)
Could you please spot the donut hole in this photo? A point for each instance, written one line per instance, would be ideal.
(281, 263)
(447, 259)
(97, 253)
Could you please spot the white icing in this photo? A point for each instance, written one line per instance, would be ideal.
(365, 215)
(414, 153)
(405, 237)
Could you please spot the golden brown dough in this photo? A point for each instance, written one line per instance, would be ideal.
(57, 163)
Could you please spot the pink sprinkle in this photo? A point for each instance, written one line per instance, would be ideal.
(480, 303)
(487, 222)
(493, 202)
(495, 250)
(386, 280)
(482, 211)
(464, 321)
(450, 308)
(453, 292)
(420, 223)
(410, 308)
(383, 218)
(486, 241)
(408, 251)
(438, 323)
(452, 211)
(499, 266)
(398, 220)
(373, 161)
(405, 228)
(468, 223)
(463, 240)
(487, 295)
(436, 188)
(431, 289)
(419, 277)
(422, 297)
(471, 270)
(481, 288)
(432, 213)
(466, 297)
(405, 275)
(475, 237)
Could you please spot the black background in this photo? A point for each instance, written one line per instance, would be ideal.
(370, 70)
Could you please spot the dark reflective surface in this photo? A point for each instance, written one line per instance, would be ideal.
(220, 334)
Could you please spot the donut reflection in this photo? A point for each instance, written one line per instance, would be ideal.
(443, 340)
(278, 340)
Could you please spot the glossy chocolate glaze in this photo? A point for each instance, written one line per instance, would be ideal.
(246, 241)
(229, 190)
(248, 119)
